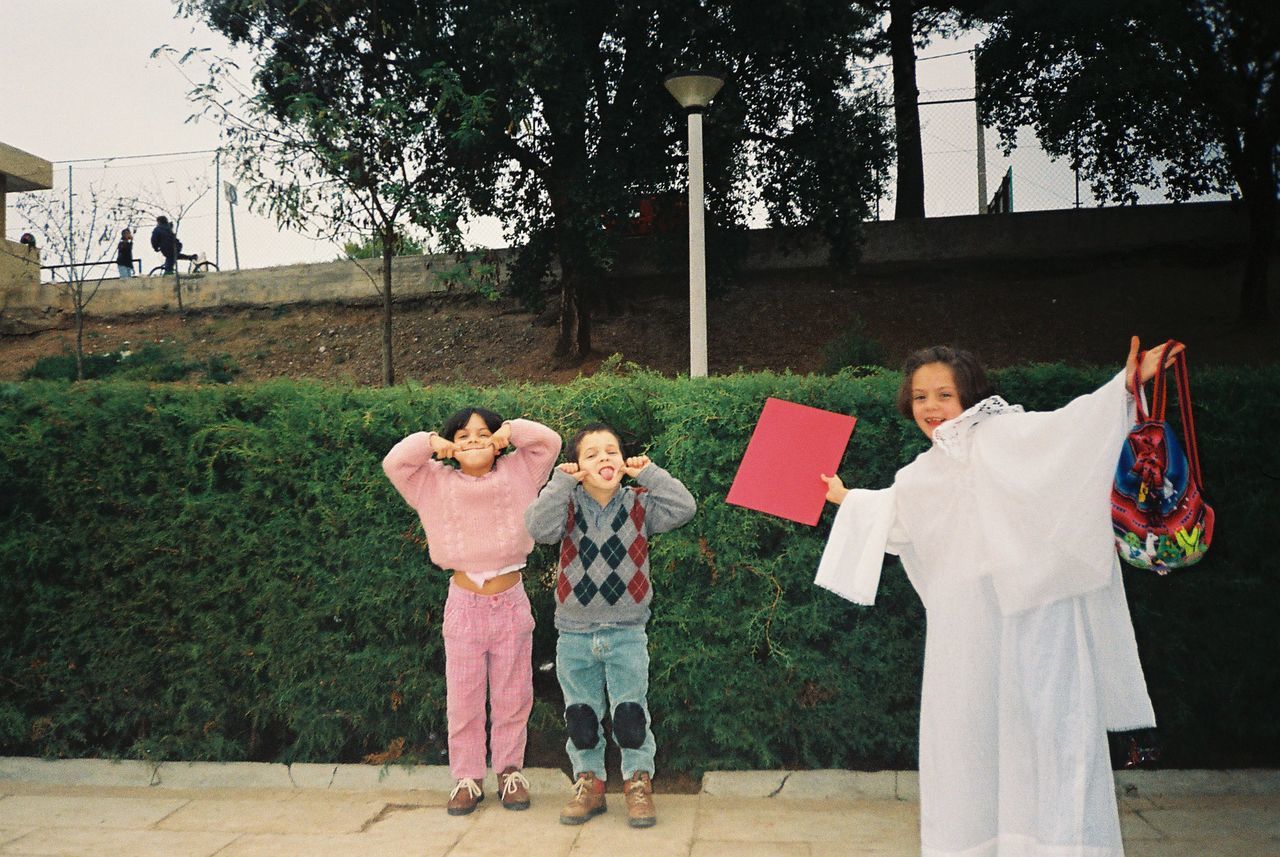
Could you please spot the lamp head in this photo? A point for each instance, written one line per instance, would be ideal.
(693, 89)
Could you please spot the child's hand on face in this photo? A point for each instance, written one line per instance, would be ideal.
(501, 438)
(442, 448)
(635, 464)
(836, 491)
(573, 470)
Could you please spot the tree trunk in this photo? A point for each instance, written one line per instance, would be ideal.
(77, 295)
(177, 285)
(388, 253)
(1260, 202)
(906, 113)
(574, 342)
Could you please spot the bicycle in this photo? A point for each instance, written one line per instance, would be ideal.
(197, 265)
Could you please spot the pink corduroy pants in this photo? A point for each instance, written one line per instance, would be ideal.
(488, 641)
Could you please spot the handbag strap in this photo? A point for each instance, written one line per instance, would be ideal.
(1159, 394)
(1188, 420)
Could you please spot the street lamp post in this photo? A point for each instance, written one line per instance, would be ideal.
(694, 91)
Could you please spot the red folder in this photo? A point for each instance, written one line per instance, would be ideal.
(791, 445)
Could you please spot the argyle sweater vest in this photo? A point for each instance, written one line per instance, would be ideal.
(603, 577)
(620, 554)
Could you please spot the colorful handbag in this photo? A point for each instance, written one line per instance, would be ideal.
(1158, 510)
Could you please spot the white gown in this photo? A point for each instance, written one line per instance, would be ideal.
(1004, 530)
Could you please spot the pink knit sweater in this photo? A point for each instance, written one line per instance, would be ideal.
(475, 523)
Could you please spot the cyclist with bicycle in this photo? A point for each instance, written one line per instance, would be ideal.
(165, 242)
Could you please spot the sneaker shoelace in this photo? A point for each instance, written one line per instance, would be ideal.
(639, 794)
(469, 784)
(512, 781)
(581, 787)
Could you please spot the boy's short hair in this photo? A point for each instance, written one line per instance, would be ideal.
(971, 380)
(458, 421)
(571, 448)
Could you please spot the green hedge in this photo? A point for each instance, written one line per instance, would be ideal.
(224, 573)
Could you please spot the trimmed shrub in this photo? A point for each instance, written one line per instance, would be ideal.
(152, 362)
(225, 573)
(852, 349)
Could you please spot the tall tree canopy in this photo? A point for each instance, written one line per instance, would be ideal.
(571, 122)
(341, 131)
(1174, 93)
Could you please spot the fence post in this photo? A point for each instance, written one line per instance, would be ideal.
(982, 160)
(71, 225)
(217, 209)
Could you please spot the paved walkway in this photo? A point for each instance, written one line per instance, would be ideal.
(190, 811)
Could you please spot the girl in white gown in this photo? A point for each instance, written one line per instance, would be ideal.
(1004, 530)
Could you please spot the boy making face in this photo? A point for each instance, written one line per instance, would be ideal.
(603, 591)
(597, 464)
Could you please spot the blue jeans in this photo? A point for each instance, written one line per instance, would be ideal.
(612, 661)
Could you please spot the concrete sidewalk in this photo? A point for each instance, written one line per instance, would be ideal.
(91, 807)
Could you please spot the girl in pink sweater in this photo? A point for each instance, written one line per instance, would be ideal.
(473, 515)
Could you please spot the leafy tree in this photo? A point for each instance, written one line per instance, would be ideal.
(79, 232)
(1180, 94)
(581, 125)
(340, 132)
(560, 120)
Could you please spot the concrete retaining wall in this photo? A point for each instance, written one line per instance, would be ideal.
(1033, 237)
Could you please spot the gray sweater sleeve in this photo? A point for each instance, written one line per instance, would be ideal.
(545, 517)
(670, 504)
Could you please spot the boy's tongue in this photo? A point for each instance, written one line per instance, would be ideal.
(606, 473)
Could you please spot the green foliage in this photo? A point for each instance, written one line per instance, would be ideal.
(159, 362)
(225, 573)
(371, 248)
(477, 273)
(62, 367)
(853, 348)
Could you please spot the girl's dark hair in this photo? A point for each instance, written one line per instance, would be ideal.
(455, 423)
(971, 381)
(571, 449)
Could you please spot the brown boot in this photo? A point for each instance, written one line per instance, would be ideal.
(587, 802)
(464, 797)
(513, 789)
(640, 809)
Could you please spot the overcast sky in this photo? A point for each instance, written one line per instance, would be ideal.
(77, 82)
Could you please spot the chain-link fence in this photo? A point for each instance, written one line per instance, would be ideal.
(190, 189)
(965, 169)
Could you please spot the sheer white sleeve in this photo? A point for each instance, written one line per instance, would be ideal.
(1042, 487)
(864, 529)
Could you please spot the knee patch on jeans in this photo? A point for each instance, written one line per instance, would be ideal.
(584, 726)
(629, 725)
